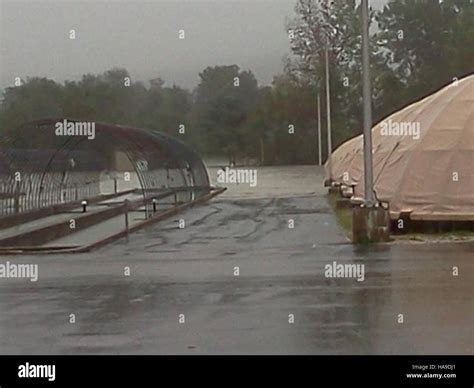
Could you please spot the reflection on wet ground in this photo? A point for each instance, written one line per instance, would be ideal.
(191, 271)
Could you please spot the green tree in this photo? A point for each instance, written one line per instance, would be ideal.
(223, 100)
(35, 98)
(283, 124)
(335, 25)
(426, 44)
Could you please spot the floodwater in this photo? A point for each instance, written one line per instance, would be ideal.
(183, 295)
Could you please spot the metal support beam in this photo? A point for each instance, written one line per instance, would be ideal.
(367, 98)
(328, 108)
(320, 156)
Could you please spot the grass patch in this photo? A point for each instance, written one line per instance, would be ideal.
(459, 235)
(344, 218)
(343, 215)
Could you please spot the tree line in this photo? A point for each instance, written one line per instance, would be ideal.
(416, 48)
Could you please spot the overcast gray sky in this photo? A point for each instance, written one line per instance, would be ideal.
(142, 36)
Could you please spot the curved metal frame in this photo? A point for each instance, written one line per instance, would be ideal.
(49, 176)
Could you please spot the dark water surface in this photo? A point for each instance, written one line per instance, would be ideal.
(190, 271)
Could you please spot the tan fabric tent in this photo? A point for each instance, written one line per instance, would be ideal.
(423, 157)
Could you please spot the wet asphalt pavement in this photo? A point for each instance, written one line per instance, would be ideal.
(191, 271)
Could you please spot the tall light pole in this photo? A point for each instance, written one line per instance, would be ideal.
(320, 156)
(328, 108)
(367, 98)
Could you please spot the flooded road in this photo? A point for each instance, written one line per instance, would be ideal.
(238, 280)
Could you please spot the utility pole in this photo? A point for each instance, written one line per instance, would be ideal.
(370, 223)
(328, 107)
(367, 98)
(320, 156)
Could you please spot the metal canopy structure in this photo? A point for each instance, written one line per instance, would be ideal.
(41, 167)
